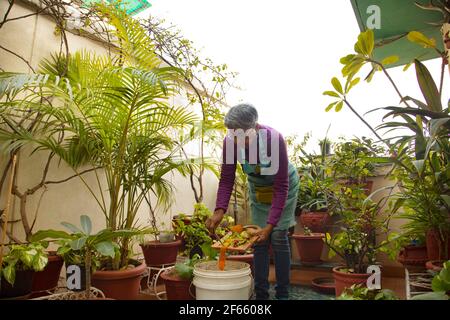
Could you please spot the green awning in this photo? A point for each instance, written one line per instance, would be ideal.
(398, 18)
(133, 7)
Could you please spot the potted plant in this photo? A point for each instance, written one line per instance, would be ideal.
(18, 268)
(89, 252)
(359, 292)
(195, 233)
(163, 250)
(356, 243)
(178, 280)
(309, 246)
(46, 281)
(313, 192)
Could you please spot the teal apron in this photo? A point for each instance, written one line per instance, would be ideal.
(262, 185)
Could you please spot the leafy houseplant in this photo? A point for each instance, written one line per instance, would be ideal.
(408, 249)
(358, 292)
(356, 242)
(194, 233)
(18, 267)
(86, 250)
(313, 189)
(178, 280)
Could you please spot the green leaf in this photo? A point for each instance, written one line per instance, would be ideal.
(86, 224)
(347, 59)
(339, 106)
(419, 165)
(184, 270)
(390, 60)
(106, 248)
(421, 39)
(446, 198)
(49, 234)
(366, 42)
(428, 87)
(72, 228)
(39, 262)
(431, 296)
(330, 106)
(337, 85)
(407, 66)
(331, 94)
(9, 273)
(436, 125)
(78, 244)
(351, 84)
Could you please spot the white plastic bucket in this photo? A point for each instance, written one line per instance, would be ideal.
(233, 283)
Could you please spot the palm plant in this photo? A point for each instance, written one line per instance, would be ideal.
(110, 112)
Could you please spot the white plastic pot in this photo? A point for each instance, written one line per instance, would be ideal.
(233, 283)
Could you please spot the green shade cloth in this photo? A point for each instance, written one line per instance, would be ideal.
(398, 18)
(133, 7)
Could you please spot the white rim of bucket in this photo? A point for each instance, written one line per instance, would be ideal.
(223, 274)
(221, 287)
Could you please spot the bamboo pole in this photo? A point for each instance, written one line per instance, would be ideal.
(6, 212)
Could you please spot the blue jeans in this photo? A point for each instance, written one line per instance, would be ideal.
(282, 258)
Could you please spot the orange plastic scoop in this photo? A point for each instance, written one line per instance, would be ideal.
(222, 257)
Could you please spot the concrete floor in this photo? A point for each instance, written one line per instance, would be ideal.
(304, 277)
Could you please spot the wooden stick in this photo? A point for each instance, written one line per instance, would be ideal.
(6, 212)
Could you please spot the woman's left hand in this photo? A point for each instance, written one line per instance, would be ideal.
(264, 234)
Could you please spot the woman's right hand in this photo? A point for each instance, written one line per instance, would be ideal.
(213, 222)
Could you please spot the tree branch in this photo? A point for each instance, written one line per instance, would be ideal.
(18, 56)
(11, 3)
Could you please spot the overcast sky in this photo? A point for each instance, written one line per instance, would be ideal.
(286, 52)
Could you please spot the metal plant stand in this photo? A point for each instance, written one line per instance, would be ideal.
(152, 281)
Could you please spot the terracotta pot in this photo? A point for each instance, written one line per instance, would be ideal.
(346, 280)
(22, 286)
(315, 221)
(248, 258)
(435, 265)
(309, 247)
(158, 253)
(47, 279)
(324, 285)
(413, 256)
(120, 284)
(176, 287)
(434, 247)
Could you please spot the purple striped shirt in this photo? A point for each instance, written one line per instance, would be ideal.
(280, 185)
